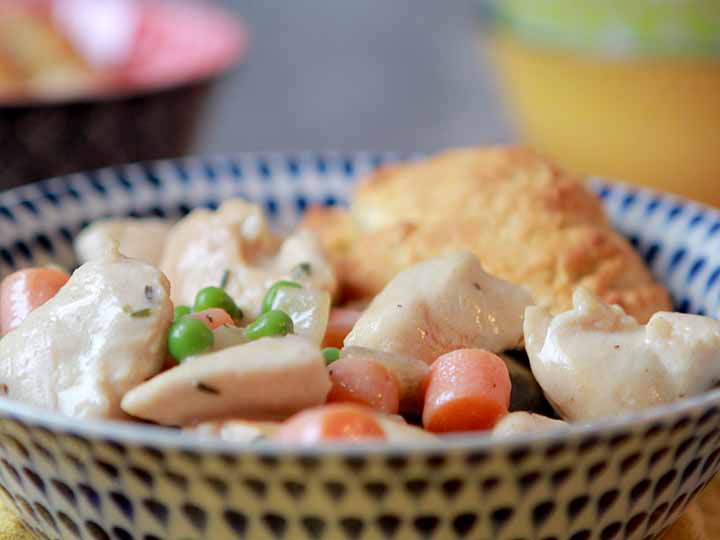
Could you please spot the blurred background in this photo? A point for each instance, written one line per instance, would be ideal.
(628, 89)
(402, 75)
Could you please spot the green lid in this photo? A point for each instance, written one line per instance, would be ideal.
(676, 27)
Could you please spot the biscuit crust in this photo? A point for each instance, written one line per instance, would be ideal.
(528, 221)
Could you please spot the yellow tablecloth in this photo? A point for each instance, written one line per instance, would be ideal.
(701, 521)
(10, 527)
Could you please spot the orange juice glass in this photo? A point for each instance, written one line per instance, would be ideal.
(626, 89)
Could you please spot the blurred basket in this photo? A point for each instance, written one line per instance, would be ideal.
(47, 140)
(144, 106)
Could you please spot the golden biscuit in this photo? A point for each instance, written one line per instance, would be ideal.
(336, 229)
(528, 221)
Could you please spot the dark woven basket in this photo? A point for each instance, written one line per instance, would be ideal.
(43, 140)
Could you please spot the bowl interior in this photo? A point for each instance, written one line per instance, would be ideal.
(38, 222)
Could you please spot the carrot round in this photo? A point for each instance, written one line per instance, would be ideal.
(339, 325)
(468, 390)
(213, 318)
(364, 381)
(26, 290)
(409, 372)
(337, 422)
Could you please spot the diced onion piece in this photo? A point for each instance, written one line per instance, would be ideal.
(228, 336)
(309, 310)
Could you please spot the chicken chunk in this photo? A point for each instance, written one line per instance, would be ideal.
(520, 422)
(142, 239)
(441, 305)
(101, 335)
(237, 239)
(267, 379)
(239, 431)
(594, 360)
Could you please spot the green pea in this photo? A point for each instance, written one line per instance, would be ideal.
(215, 297)
(268, 324)
(180, 312)
(331, 354)
(188, 337)
(269, 299)
(235, 312)
(211, 297)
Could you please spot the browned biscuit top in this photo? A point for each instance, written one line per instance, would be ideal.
(527, 220)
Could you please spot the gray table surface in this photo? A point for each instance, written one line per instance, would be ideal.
(401, 75)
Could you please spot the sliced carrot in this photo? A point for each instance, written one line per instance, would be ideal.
(339, 325)
(468, 390)
(26, 290)
(337, 422)
(213, 318)
(169, 363)
(364, 381)
(409, 372)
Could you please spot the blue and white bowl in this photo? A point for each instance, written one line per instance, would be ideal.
(627, 477)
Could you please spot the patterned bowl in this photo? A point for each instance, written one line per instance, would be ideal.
(626, 477)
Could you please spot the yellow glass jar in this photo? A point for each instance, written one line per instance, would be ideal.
(622, 101)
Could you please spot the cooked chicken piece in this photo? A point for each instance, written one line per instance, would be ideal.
(524, 422)
(101, 335)
(267, 379)
(302, 259)
(440, 305)
(397, 430)
(236, 239)
(142, 239)
(240, 431)
(595, 360)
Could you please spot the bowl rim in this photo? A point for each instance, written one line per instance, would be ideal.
(175, 439)
(238, 50)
